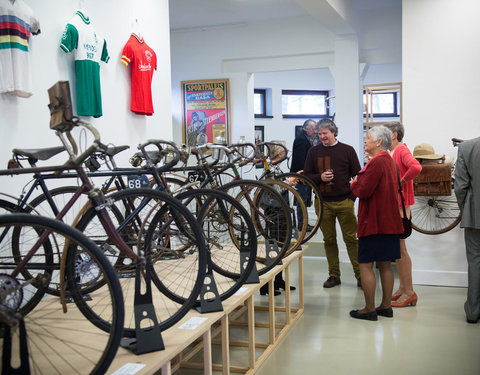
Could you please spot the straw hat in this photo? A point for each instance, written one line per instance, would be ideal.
(425, 151)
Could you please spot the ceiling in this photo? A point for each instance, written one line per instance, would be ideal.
(186, 14)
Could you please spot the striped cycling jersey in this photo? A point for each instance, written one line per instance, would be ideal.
(89, 49)
(17, 24)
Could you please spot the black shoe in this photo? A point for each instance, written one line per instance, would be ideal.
(472, 321)
(331, 282)
(264, 291)
(359, 283)
(388, 312)
(281, 285)
(371, 315)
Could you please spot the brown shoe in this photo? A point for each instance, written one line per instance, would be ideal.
(331, 282)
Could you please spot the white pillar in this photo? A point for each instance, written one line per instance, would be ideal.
(348, 92)
(241, 122)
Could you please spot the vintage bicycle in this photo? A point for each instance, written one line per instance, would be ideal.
(173, 227)
(436, 209)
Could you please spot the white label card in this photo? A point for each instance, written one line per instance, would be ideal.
(193, 322)
(129, 369)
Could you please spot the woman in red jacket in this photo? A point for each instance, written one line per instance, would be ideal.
(409, 168)
(379, 222)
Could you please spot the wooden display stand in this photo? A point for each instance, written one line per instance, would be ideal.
(182, 345)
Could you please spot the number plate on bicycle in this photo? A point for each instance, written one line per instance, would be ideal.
(138, 181)
(196, 176)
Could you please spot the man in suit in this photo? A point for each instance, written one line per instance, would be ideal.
(467, 190)
(302, 143)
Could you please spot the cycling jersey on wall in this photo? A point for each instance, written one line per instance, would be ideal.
(89, 49)
(144, 61)
(17, 23)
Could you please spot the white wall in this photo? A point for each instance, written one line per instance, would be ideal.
(309, 79)
(440, 81)
(277, 128)
(24, 123)
(232, 52)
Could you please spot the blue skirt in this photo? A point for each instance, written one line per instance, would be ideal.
(379, 248)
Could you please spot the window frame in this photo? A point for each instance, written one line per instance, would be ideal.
(307, 92)
(395, 112)
(263, 92)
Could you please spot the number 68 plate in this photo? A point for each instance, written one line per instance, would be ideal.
(138, 181)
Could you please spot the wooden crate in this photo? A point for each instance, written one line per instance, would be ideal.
(435, 179)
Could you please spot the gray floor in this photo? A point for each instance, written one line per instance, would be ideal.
(430, 338)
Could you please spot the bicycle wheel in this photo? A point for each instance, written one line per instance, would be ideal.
(11, 234)
(229, 234)
(314, 203)
(160, 228)
(49, 205)
(291, 196)
(57, 342)
(271, 218)
(435, 214)
(59, 197)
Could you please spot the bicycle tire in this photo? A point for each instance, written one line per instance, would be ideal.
(134, 233)
(292, 196)
(7, 207)
(435, 214)
(52, 344)
(225, 223)
(315, 217)
(258, 210)
(36, 295)
(40, 206)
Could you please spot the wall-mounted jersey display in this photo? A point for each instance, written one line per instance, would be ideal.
(143, 61)
(89, 49)
(17, 24)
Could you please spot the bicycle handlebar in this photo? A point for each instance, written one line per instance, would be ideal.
(240, 149)
(71, 145)
(269, 145)
(199, 151)
(162, 151)
(213, 146)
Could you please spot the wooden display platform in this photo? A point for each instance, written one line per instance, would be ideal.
(198, 332)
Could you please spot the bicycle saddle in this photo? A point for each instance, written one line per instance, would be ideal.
(39, 153)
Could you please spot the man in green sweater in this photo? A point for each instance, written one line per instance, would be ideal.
(331, 165)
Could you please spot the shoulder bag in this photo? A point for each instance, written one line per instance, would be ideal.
(406, 221)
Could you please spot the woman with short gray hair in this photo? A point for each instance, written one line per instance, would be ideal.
(382, 133)
(379, 222)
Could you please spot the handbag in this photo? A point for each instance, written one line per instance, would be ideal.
(406, 221)
(61, 116)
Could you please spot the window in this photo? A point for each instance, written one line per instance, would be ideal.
(382, 104)
(260, 102)
(304, 104)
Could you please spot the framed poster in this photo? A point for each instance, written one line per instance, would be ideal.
(259, 134)
(259, 138)
(206, 111)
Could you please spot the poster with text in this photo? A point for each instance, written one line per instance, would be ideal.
(206, 113)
